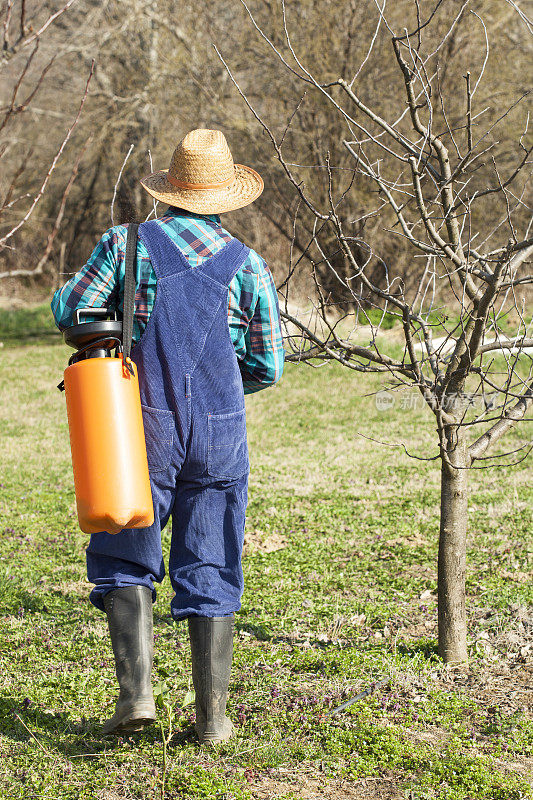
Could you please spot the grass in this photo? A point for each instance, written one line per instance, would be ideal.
(340, 597)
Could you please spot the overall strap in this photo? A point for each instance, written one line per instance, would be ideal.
(167, 259)
(129, 288)
(226, 263)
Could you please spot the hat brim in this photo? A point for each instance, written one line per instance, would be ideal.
(246, 188)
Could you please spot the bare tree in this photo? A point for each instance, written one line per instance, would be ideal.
(422, 169)
(22, 37)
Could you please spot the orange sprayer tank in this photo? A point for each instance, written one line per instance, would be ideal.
(108, 447)
(107, 441)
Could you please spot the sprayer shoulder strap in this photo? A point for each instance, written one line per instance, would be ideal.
(129, 288)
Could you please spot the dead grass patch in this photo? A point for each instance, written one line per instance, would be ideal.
(80, 588)
(258, 541)
(323, 788)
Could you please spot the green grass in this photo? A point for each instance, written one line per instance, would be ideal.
(340, 594)
(32, 325)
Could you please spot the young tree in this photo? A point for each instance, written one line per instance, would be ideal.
(440, 176)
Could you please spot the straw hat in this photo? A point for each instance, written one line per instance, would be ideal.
(203, 178)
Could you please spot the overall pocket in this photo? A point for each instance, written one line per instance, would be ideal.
(227, 448)
(159, 433)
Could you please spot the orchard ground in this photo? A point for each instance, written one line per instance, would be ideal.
(340, 567)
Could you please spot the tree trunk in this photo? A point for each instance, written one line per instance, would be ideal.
(452, 549)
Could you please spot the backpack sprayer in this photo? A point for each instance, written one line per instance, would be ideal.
(107, 441)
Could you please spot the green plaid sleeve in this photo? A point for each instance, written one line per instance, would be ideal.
(255, 325)
(95, 284)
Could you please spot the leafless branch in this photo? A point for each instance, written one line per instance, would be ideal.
(117, 182)
(46, 180)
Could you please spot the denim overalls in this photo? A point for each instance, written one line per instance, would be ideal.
(195, 426)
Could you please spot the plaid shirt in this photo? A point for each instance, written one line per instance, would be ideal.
(253, 311)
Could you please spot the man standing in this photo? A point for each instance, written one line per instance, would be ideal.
(207, 332)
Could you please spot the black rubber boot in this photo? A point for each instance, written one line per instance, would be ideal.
(212, 651)
(129, 615)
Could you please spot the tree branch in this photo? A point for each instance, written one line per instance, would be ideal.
(508, 421)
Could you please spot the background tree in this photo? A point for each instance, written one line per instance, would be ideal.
(26, 62)
(157, 76)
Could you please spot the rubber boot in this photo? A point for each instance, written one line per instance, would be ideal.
(129, 615)
(212, 651)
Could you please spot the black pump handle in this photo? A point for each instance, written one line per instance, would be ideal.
(102, 313)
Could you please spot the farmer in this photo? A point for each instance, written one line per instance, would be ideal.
(207, 332)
